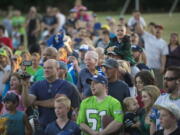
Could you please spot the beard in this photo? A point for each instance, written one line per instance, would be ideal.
(170, 89)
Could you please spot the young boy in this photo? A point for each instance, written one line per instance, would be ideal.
(169, 115)
(62, 125)
(121, 45)
(131, 118)
(17, 121)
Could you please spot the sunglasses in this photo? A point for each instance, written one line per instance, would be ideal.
(170, 78)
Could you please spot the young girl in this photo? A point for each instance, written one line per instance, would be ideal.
(62, 125)
(17, 121)
(16, 88)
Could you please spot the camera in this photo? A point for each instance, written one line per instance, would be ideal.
(27, 63)
(24, 75)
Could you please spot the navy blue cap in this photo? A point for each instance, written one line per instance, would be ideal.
(12, 97)
(84, 47)
(98, 78)
(136, 48)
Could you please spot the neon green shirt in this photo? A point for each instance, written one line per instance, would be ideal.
(91, 111)
(32, 71)
(19, 21)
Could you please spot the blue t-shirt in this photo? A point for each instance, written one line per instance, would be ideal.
(71, 128)
(15, 123)
(43, 90)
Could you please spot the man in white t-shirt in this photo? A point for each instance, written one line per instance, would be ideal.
(136, 18)
(155, 49)
(172, 86)
(60, 18)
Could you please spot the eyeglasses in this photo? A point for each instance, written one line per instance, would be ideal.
(170, 78)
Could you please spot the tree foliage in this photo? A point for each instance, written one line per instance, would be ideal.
(95, 5)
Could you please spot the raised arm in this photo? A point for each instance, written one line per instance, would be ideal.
(139, 29)
(27, 99)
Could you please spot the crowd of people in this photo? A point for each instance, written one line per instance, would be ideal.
(78, 76)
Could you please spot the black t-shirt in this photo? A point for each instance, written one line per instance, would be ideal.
(119, 90)
(161, 132)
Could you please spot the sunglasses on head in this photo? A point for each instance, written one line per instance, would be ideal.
(170, 78)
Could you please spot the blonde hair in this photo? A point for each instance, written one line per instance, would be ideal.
(124, 65)
(100, 51)
(127, 101)
(64, 100)
(153, 91)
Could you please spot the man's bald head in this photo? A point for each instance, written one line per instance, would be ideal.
(52, 62)
(50, 69)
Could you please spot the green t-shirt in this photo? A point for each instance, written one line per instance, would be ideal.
(39, 75)
(91, 111)
(32, 71)
(19, 21)
(69, 78)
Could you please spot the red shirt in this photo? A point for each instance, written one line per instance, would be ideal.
(139, 99)
(7, 41)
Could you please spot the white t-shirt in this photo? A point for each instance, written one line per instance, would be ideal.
(154, 49)
(134, 70)
(2, 85)
(166, 98)
(132, 21)
(62, 20)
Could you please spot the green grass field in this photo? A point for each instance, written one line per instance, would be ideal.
(170, 23)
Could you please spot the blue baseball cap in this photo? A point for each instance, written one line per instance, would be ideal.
(98, 78)
(11, 97)
(136, 48)
(84, 47)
